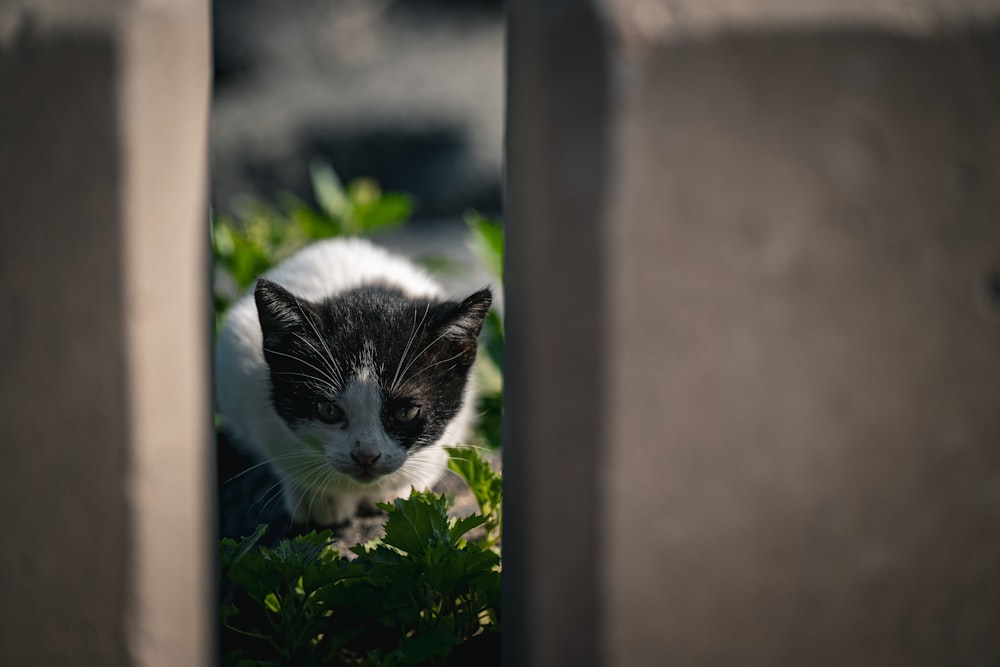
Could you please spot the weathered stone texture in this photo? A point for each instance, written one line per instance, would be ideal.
(806, 354)
(759, 367)
(105, 331)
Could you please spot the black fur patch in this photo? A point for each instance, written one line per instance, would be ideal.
(421, 351)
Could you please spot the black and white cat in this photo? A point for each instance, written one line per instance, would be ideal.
(347, 371)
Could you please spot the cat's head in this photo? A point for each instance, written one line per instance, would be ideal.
(370, 376)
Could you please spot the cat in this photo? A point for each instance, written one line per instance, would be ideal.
(347, 371)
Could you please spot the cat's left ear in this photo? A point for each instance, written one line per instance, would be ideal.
(465, 322)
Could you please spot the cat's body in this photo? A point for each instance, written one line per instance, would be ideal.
(347, 371)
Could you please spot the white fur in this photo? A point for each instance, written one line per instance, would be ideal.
(311, 461)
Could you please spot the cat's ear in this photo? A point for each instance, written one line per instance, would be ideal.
(280, 312)
(465, 321)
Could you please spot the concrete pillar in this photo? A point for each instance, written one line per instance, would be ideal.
(753, 321)
(104, 393)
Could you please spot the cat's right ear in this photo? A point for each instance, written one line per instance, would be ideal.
(281, 313)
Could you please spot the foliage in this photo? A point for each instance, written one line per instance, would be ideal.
(422, 595)
(486, 487)
(428, 593)
(262, 235)
(487, 243)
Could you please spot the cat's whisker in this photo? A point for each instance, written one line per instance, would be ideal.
(456, 458)
(265, 420)
(449, 471)
(273, 459)
(421, 465)
(301, 361)
(430, 366)
(413, 332)
(297, 477)
(421, 353)
(469, 445)
(271, 492)
(315, 489)
(303, 473)
(297, 454)
(328, 360)
(418, 476)
(329, 354)
(313, 380)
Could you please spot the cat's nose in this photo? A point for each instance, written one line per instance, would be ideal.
(365, 458)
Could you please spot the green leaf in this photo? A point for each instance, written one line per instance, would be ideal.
(386, 212)
(431, 643)
(489, 378)
(485, 484)
(462, 526)
(308, 223)
(228, 611)
(271, 602)
(487, 242)
(441, 265)
(417, 522)
(329, 191)
(223, 244)
(411, 599)
(232, 551)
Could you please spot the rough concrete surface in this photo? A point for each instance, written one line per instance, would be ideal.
(753, 325)
(806, 366)
(106, 445)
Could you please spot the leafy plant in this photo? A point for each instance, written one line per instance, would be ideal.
(422, 595)
(486, 487)
(487, 243)
(262, 235)
(428, 593)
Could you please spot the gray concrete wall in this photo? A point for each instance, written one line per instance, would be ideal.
(106, 556)
(753, 395)
(557, 167)
(754, 380)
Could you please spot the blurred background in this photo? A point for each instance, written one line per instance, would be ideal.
(407, 92)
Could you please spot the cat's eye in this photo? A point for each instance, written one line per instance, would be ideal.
(329, 412)
(406, 414)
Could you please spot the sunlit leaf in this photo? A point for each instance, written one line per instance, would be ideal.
(328, 190)
(487, 242)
